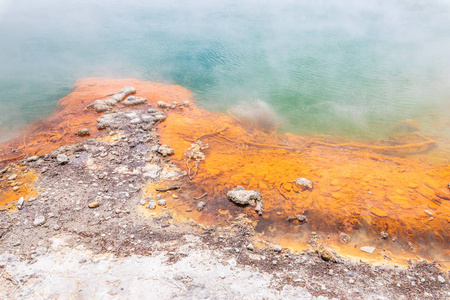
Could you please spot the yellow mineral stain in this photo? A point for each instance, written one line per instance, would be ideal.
(8, 196)
(359, 189)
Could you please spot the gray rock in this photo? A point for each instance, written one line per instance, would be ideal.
(201, 205)
(106, 104)
(41, 251)
(250, 247)
(384, 235)
(277, 248)
(304, 183)
(163, 104)
(162, 202)
(151, 205)
(243, 197)
(135, 121)
(246, 197)
(301, 218)
(142, 202)
(147, 118)
(12, 177)
(165, 150)
(32, 158)
(232, 262)
(62, 159)
(133, 100)
(40, 220)
(83, 132)
(99, 105)
(441, 279)
(159, 118)
(345, 238)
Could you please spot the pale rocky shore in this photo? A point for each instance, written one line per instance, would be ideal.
(91, 234)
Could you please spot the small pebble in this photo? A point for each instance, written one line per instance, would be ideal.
(93, 204)
(20, 203)
(201, 205)
(39, 221)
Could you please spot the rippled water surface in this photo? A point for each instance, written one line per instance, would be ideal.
(343, 68)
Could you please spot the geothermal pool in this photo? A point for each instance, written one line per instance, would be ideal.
(352, 95)
(336, 68)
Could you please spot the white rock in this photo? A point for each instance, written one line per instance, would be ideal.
(201, 205)
(39, 221)
(232, 262)
(368, 249)
(20, 203)
(62, 159)
(151, 205)
(165, 150)
(245, 197)
(163, 104)
(32, 158)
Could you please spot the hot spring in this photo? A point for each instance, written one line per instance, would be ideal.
(336, 68)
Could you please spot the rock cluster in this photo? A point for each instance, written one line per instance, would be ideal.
(133, 101)
(106, 104)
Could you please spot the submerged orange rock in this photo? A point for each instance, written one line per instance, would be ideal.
(360, 189)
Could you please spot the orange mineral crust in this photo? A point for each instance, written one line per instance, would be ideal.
(17, 184)
(359, 190)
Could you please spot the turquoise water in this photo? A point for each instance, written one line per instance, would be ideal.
(341, 68)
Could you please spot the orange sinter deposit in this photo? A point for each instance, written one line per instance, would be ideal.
(384, 194)
(359, 190)
(61, 127)
(17, 184)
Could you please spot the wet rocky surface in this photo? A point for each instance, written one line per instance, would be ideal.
(91, 214)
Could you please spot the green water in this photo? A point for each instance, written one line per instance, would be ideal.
(341, 68)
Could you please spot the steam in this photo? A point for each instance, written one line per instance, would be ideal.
(327, 66)
(258, 113)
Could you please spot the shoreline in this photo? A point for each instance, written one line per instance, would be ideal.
(122, 169)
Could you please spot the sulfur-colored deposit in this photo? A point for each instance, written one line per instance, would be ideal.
(157, 156)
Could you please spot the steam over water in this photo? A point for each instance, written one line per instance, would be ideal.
(346, 68)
